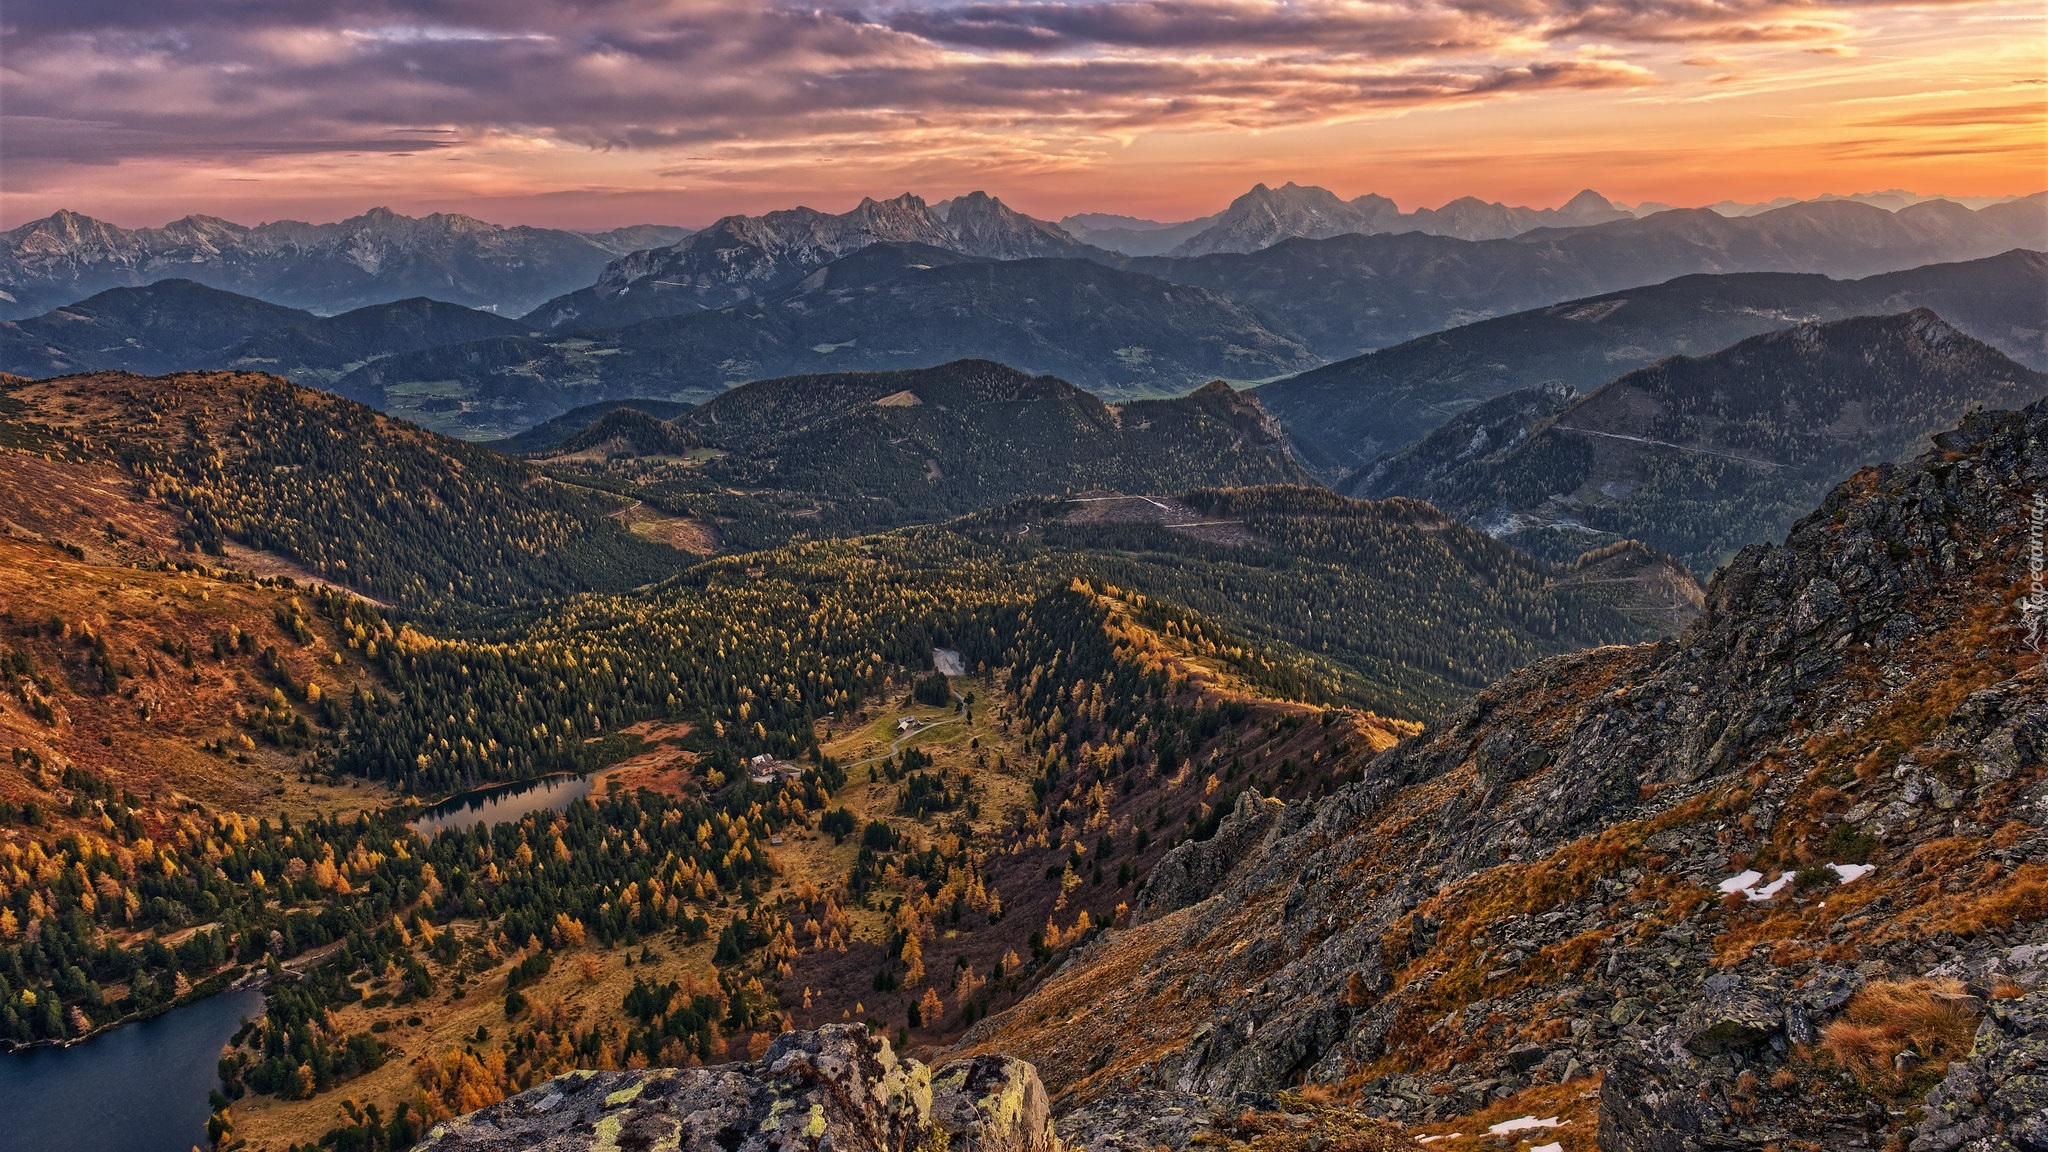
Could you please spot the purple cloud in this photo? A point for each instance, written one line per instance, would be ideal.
(101, 81)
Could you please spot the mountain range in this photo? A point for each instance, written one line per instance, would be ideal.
(741, 257)
(1698, 456)
(1352, 294)
(376, 257)
(1265, 216)
(1344, 416)
(1341, 294)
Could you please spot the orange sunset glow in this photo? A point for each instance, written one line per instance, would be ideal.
(679, 112)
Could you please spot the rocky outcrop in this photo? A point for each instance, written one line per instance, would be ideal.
(839, 1087)
(1997, 1100)
(1636, 861)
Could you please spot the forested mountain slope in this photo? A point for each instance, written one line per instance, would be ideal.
(1699, 456)
(399, 514)
(318, 352)
(842, 453)
(163, 327)
(1349, 414)
(1699, 893)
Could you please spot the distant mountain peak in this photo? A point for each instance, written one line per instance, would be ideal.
(378, 255)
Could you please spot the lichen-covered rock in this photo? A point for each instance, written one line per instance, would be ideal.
(839, 1087)
(1997, 1100)
(1730, 1014)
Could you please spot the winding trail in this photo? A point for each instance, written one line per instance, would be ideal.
(897, 744)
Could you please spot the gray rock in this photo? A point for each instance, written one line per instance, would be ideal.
(1730, 1015)
(1830, 988)
(839, 1087)
(1997, 1100)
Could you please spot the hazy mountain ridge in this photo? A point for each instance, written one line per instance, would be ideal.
(883, 307)
(162, 327)
(368, 259)
(1130, 235)
(1353, 294)
(1699, 456)
(181, 325)
(1348, 414)
(740, 257)
(323, 350)
(1265, 216)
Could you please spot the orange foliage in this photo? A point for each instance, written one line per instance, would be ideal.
(1927, 1017)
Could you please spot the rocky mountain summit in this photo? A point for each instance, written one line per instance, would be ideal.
(376, 257)
(1265, 216)
(740, 257)
(1776, 883)
(840, 1087)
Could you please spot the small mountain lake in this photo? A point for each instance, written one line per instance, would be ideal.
(503, 802)
(138, 1088)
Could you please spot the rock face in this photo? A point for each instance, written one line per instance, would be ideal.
(1638, 862)
(839, 1087)
(1997, 1100)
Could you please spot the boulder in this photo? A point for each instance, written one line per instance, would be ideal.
(1730, 1015)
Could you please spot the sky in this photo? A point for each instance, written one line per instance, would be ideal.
(599, 113)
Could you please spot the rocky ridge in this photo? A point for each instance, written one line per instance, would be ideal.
(376, 257)
(1754, 886)
(840, 1087)
(1265, 216)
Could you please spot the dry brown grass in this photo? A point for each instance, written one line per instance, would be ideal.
(1926, 1017)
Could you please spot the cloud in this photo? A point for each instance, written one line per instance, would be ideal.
(712, 87)
(1981, 117)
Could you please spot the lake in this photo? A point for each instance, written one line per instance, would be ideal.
(504, 802)
(138, 1088)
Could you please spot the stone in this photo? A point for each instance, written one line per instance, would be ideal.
(1523, 1057)
(1830, 988)
(1730, 1015)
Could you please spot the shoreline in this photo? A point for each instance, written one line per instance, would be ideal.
(238, 978)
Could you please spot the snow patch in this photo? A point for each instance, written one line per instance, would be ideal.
(1851, 873)
(1741, 882)
(1522, 1124)
(1550, 1147)
(1750, 884)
